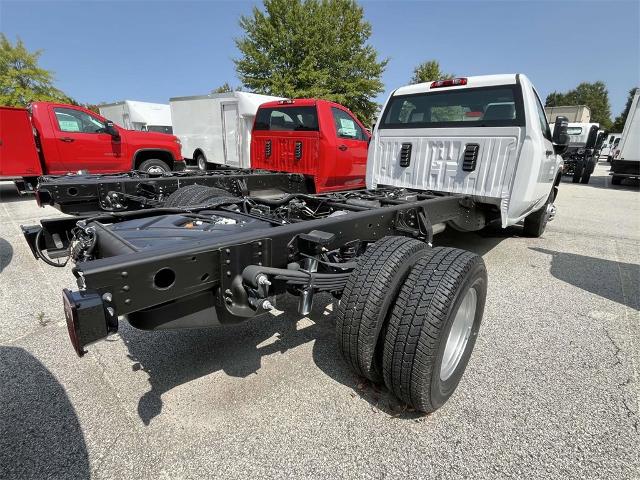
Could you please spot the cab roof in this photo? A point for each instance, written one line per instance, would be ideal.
(477, 81)
(300, 102)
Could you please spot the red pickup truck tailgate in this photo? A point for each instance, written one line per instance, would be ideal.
(18, 153)
(294, 152)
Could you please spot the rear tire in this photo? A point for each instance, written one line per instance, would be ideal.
(536, 222)
(367, 299)
(577, 172)
(153, 165)
(616, 180)
(197, 195)
(433, 327)
(201, 162)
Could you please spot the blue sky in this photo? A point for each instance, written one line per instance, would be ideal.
(150, 50)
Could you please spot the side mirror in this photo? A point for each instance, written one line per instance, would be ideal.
(560, 137)
(592, 138)
(110, 128)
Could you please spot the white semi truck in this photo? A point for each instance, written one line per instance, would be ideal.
(215, 129)
(134, 115)
(626, 156)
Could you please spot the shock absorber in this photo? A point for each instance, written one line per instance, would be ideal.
(306, 296)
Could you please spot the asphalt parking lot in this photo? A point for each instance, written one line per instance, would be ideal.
(551, 390)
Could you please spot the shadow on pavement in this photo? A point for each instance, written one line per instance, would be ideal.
(6, 254)
(616, 281)
(481, 242)
(40, 435)
(173, 358)
(9, 193)
(598, 180)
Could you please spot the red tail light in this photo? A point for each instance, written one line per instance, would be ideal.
(453, 82)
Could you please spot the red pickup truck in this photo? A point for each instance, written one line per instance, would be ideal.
(52, 138)
(318, 138)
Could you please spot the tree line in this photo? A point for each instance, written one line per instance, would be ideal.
(295, 48)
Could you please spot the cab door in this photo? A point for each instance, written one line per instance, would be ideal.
(352, 143)
(550, 161)
(83, 143)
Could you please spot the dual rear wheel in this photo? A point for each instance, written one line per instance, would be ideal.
(409, 317)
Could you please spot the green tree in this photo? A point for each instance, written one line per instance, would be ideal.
(429, 71)
(311, 48)
(618, 123)
(225, 87)
(22, 81)
(594, 95)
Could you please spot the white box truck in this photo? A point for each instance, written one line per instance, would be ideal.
(134, 115)
(215, 129)
(575, 113)
(626, 156)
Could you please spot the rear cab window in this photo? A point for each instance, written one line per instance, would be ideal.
(494, 106)
(287, 119)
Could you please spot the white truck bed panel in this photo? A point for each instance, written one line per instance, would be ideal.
(436, 163)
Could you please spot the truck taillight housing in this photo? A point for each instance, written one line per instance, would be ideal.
(453, 82)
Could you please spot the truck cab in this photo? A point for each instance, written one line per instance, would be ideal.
(581, 157)
(68, 138)
(486, 137)
(321, 139)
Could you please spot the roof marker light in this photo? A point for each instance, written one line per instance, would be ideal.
(286, 102)
(453, 82)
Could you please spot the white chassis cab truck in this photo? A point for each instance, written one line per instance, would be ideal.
(486, 137)
(461, 152)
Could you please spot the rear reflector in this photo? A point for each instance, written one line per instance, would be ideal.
(453, 82)
(87, 319)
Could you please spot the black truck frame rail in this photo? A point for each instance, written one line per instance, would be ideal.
(80, 194)
(226, 280)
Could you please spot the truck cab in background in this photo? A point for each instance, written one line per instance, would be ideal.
(320, 139)
(486, 137)
(581, 156)
(609, 145)
(53, 138)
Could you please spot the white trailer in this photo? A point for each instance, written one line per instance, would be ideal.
(575, 113)
(134, 115)
(626, 156)
(216, 128)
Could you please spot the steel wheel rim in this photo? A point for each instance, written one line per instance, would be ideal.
(155, 169)
(459, 334)
(202, 163)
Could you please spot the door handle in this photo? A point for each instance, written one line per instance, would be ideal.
(549, 153)
(66, 139)
(342, 147)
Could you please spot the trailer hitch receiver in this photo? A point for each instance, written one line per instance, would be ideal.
(88, 320)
